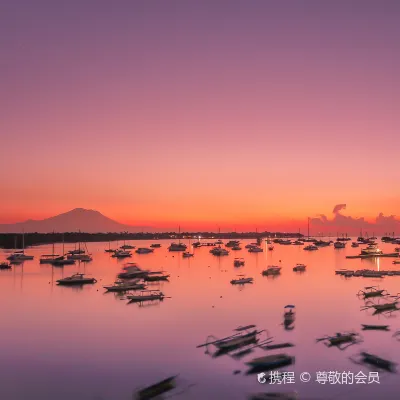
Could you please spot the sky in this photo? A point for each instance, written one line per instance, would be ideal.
(230, 114)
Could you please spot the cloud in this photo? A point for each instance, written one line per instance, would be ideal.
(346, 223)
(338, 208)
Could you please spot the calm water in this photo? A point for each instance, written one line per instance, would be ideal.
(69, 343)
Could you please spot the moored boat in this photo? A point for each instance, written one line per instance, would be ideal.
(146, 295)
(76, 279)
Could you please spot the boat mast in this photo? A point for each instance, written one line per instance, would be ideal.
(308, 227)
(23, 242)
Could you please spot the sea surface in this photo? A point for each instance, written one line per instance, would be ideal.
(69, 343)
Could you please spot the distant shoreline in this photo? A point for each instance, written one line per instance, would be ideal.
(14, 240)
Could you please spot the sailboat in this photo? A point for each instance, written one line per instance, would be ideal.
(109, 250)
(49, 258)
(187, 254)
(19, 256)
(61, 261)
(177, 246)
(80, 254)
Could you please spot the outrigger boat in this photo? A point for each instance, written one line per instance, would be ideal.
(76, 279)
(272, 270)
(238, 262)
(299, 268)
(274, 396)
(132, 271)
(375, 361)
(146, 295)
(122, 254)
(156, 390)
(339, 339)
(245, 336)
(372, 291)
(241, 281)
(123, 286)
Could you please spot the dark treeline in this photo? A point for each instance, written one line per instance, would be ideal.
(13, 240)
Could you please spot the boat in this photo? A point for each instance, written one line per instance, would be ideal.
(86, 258)
(144, 250)
(322, 243)
(299, 268)
(371, 250)
(289, 315)
(396, 262)
(155, 245)
(186, 254)
(339, 245)
(255, 249)
(132, 271)
(123, 286)
(127, 247)
(355, 244)
(238, 262)
(177, 247)
(241, 281)
(311, 247)
(122, 254)
(219, 241)
(76, 279)
(274, 396)
(155, 278)
(236, 341)
(250, 245)
(372, 291)
(272, 270)
(156, 390)
(49, 258)
(219, 251)
(146, 295)
(270, 248)
(61, 261)
(5, 265)
(271, 362)
(236, 248)
(19, 256)
(285, 242)
(233, 243)
(371, 359)
(375, 327)
(109, 250)
(298, 243)
(339, 339)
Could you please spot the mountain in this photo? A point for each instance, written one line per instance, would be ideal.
(79, 219)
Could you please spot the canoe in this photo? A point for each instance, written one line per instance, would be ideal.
(157, 389)
(375, 327)
(271, 362)
(238, 341)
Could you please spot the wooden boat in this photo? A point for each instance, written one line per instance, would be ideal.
(5, 265)
(155, 278)
(299, 268)
(241, 281)
(379, 362)
(271, 362)
(123, 286)
(238, 262)
(274, 396)
(144, 250)
(386, 306)
(272, 270)
(155, 245)
(237, 341)
(76, 279)
(153, 391)
(372, 291)
(289, 315)
(146, 295)
(341, 338)
(375, 327)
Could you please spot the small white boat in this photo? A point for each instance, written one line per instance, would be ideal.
(186, 254)
(272, 270)
(132, 271)
(339, 245)
(255, 249)
(372, 250)
(241, 281)
(177, 247)
(233, 243)
(144, 250)
(146, 295)
(311, 247)
(219, 251)
(299, 268)
(127, 247)
(76, 279)
(238, 262)
(123, 286)
(122, 254)
(19, 256)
